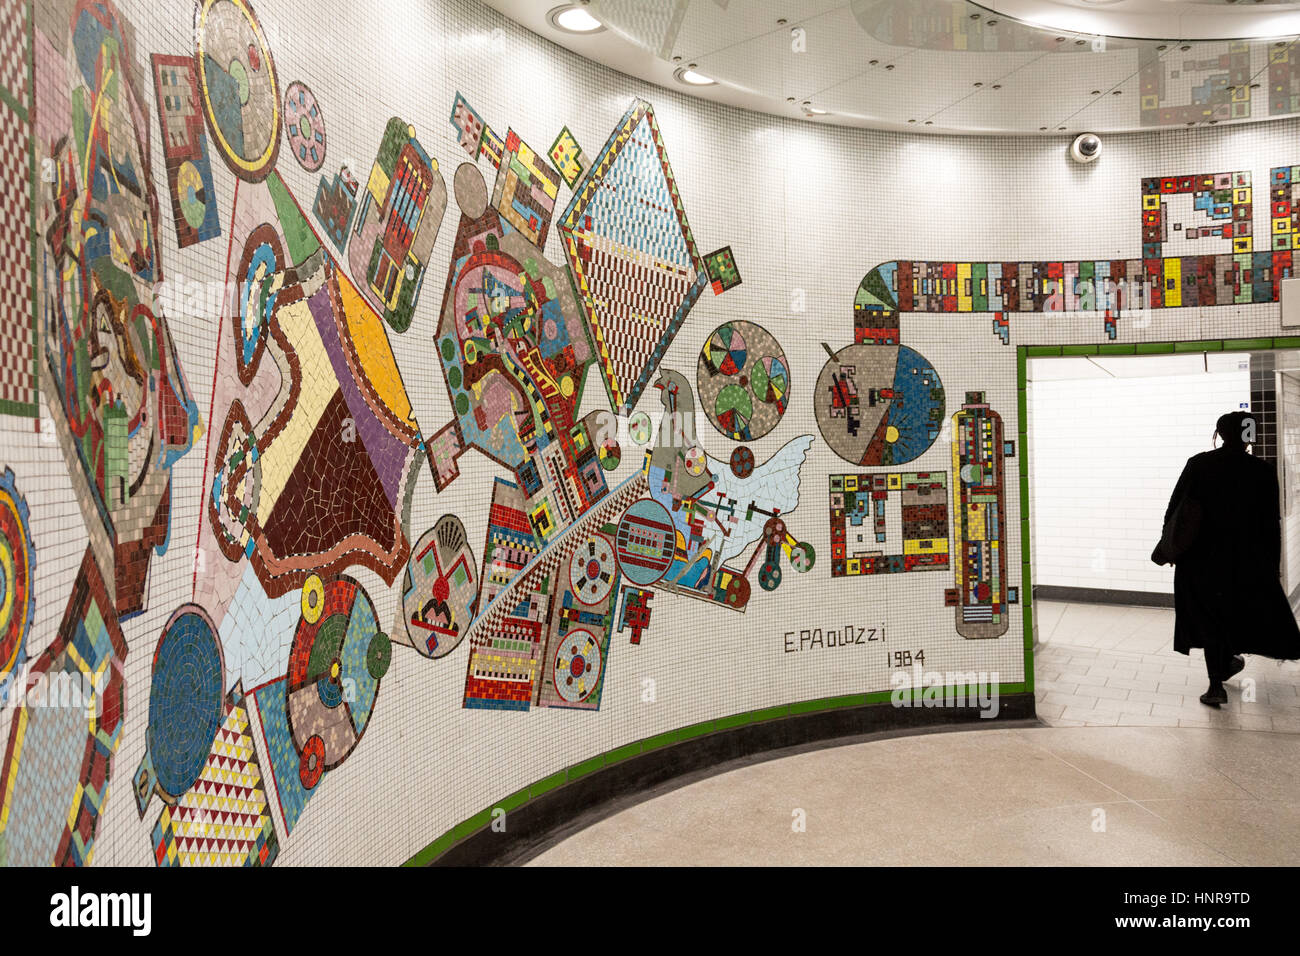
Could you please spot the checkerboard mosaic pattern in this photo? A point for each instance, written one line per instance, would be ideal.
(17, 166)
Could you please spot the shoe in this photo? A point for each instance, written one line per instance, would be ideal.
(1215, 696)
(1238, 665)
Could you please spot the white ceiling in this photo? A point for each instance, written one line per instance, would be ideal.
(957, 66)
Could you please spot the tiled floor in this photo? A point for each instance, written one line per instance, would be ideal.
(1130, 769)
(1106, 666)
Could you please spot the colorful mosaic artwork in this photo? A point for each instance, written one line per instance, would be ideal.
(64, 734)
(335, 205)
(341, 410)
(1284, 208)
(440, 590)
(185, 150)
(468, 126)
(17, 575)
(18, 330)
(743, 378)
(982, 594)
(401, 207)
(628, 204)
(862, 533)
(1221, 209)
(239, 87)
(525, 190)
(185, 702)
(260, 578)
(634, 612)
(723, 274)
(878, 403)
(1104, 287)
(223, 819)
(304, 126)
(117, 397)
(568, 157)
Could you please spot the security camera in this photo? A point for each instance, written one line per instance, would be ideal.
(1085, 148)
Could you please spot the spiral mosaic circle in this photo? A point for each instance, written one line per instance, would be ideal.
(185, 698)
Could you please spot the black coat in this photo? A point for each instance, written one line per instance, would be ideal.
(1223, 535)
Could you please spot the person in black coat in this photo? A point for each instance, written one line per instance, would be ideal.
(1222, 533)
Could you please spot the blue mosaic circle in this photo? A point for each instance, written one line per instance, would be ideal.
(185, 695)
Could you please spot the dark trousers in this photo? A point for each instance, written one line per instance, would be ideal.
(1218, 662)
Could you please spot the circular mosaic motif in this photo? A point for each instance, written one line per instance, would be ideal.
(879, 404)
(645, 542)
(640, 428)
(304, 125)
(185, 699)
(238, 86)
(192, 195)
(577, 666)
(335, 666)
(743, 379)
(593, 570)
(742, 462)
(696, 462)
(17, 555)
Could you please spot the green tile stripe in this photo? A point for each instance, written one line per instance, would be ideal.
(1206, 345)
(1247, 345)
(1026, 582)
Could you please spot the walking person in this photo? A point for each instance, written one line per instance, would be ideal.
(1222, 534)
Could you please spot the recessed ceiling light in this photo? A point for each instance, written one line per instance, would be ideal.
(572, 18)
(1095, 93)
(692, 78)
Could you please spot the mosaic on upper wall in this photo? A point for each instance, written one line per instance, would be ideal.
(605, 511)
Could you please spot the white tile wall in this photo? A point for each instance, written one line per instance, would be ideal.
(808, 209)
(1106, 454)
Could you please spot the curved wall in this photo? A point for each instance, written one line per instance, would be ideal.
(210, 519)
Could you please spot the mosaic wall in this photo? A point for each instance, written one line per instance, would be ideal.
(291, 546)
